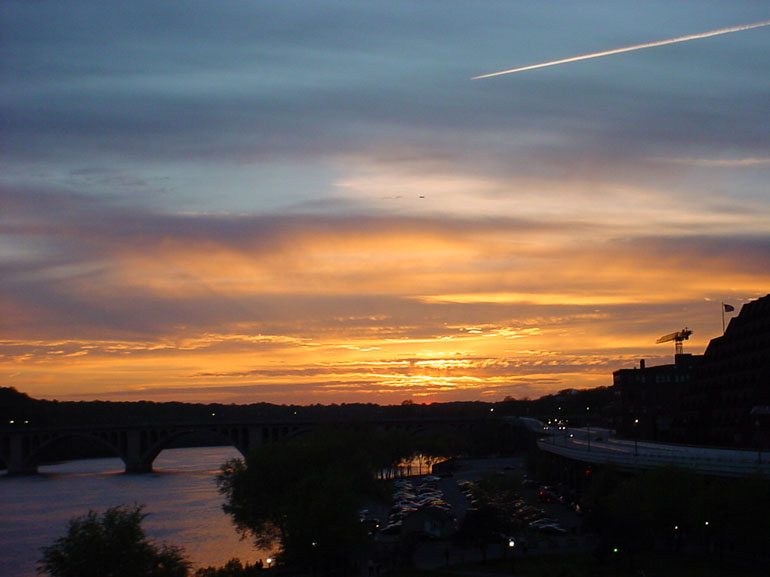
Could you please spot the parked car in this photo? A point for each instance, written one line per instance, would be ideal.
(542, 522)
(546, 495)
(551, 529)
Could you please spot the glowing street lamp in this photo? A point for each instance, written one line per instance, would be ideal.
(636, 438)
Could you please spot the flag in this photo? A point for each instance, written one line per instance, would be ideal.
(728, 308)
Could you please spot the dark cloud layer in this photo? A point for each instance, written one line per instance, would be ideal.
(174, 81)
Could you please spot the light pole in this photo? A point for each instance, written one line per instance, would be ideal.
(553, 434)
(759, 445)
(588, 427)
(636, 437)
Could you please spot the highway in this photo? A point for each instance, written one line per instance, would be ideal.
(601, 446)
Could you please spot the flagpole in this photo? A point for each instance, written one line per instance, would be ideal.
(723, 317)
(725, 309)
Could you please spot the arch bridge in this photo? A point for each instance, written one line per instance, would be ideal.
(23, 448)
(138, 446)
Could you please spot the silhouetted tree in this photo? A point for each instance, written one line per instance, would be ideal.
(304, 494)
(480, 527)
(233, 568)
(665, 505)
(113, 545)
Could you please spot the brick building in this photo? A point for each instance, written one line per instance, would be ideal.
(719, 398)
(650, 398)
(727, 403)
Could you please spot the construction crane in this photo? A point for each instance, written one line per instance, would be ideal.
(677, 337)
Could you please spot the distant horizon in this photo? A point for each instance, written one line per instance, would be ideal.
(405, 402)
(314, 203)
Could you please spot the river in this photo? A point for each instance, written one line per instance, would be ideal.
(180, 498)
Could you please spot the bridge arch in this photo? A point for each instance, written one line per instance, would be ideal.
(146, 444)
(23, 454)
(152, 442)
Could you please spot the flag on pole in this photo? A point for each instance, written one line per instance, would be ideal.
(726, 309)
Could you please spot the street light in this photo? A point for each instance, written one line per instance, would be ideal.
(759, 446)
(588, 427)
(552, 430)
(636, 438)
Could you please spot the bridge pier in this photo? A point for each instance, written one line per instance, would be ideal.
(135, 454)
(135, 467)
(18, 460)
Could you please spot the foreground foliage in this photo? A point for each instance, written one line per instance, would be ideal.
(233, 568)
(674, 509)
(111, 545)
(587, 564)
(305, 494)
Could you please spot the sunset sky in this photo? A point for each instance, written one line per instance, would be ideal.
(297, 202)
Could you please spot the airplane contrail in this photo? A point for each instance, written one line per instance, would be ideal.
(627, 49)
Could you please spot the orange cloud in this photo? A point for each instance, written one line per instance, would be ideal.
(338, 309)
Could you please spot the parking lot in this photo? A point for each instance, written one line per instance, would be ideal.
(439, 552)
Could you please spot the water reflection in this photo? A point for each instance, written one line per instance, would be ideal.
(416, 465)
(180, 496)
